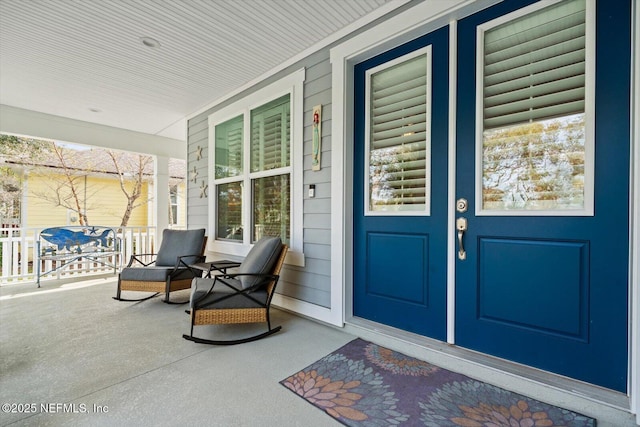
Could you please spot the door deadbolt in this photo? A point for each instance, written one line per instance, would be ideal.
(461, 205)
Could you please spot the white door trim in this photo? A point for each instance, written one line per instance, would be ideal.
(451, 180)
(634, 271)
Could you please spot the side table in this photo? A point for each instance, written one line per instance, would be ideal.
(221, 266)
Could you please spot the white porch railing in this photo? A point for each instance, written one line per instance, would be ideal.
(19, 254)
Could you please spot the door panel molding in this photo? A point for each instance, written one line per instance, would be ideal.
(530, 300)
(397, 266)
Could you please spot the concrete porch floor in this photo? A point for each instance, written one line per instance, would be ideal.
(126, 364)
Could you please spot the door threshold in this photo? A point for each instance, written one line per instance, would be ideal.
(542, 385)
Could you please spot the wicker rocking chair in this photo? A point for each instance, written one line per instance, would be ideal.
(244, 297)
(167, 271)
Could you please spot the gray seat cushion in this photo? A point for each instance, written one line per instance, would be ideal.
(260, 260)
(155, 274)
(200, 287)
(176, 243)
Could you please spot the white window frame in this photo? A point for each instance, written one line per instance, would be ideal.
(367, 138)
(293, 85)
(589, 112)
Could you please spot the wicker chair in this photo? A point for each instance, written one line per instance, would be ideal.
(244, 297)
(167, 271)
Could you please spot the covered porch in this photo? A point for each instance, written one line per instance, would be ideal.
(165, 95)
(69, 343)
(85, 359)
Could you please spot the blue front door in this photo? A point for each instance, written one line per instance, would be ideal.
(544, 281)
(542, 164)
(400, 173)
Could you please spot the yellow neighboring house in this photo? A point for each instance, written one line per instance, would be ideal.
(106, 206)
(100, 195)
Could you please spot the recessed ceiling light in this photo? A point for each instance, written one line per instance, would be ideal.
(150, 42)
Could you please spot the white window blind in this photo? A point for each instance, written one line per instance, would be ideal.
(270, 129)
(228, 145)
(534, 66)
(398, 137)
(270, 157)
(533, 112)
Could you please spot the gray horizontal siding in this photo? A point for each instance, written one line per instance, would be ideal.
(317, 251)
(197, 126)
(314, 266)
(305, 285)
(318, 205)
(311, 283)
(322, 176)
(197, 207)
(317, 236)
(317, 221)
(323, 190)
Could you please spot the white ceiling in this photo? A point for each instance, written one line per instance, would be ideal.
(69, 57)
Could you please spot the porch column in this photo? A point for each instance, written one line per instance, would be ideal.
(161, 195)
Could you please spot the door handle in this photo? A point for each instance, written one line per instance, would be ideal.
(461, 227)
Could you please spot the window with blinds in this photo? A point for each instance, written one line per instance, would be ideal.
(398, 139)
(255, 184)
(534, 98)
(268, 177)
(228, 144)
(270, 153)
(270, 128)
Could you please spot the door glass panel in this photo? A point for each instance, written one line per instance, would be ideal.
(535, 139)
(536, 166)
(398, 155)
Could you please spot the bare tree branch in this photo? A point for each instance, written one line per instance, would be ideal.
(138, 173)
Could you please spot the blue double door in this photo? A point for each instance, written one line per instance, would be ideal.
(546, 290)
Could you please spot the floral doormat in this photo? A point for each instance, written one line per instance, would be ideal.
(363, 384)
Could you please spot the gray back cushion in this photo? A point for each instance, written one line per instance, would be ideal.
(260, 260)
(177, 243)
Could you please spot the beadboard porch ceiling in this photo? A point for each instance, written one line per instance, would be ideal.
(89, 60)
